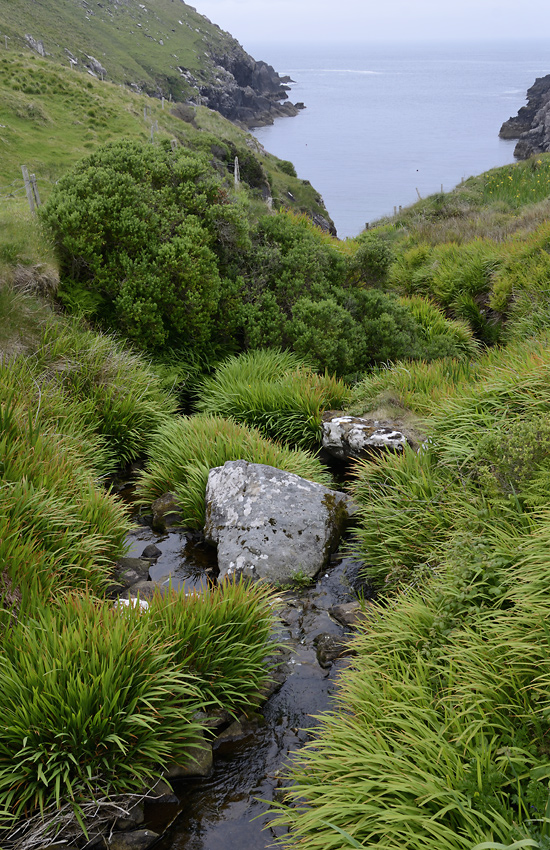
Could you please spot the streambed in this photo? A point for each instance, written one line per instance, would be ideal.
(230, 806)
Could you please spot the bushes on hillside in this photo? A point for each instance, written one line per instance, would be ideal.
(144, 236)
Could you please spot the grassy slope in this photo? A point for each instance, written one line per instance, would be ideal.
(50, 117)
(125, 37)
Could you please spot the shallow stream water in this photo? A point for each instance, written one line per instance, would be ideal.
(230, 807)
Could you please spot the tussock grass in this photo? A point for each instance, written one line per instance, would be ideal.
(93, 707)
(438, 735)
(85, 383)
(60, 530)
(274, 391)
(223, 636)
(184, 450)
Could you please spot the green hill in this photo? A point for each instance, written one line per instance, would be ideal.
(50, 117)
(163, 49)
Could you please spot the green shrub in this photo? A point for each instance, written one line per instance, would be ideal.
(286, 167)
(370, 263)
(223, 636)
(185, 449)
(274, 391)
(92, 706)
(144, 236)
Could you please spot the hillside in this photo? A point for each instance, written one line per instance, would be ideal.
(50, 117)
(163, 49)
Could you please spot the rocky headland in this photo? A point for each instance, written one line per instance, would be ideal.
(531, 126)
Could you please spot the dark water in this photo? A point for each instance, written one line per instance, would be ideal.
(230, 808)
(383, 121)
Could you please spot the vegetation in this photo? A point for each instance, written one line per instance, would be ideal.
(439, 735)
(184, 450)
(274, 391)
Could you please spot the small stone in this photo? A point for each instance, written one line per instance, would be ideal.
(135, 816)
(199, 764)
(166, 512)
(137, 839)
(349, 614)
(151, 552)
(144, 590)
(329, 648)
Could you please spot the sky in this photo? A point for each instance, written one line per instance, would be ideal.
(265, 21)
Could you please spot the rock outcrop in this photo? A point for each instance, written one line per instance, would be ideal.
(351, 436)
(245, 91)
(531, 126)
(270, 524)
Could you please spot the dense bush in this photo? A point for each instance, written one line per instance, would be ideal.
(185, 449)
(144, 236)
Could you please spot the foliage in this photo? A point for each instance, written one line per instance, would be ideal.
(274, 391)
(407, 509)
(185, 449)
(59, 529)
(223, 636)
(92, 704)
(429, 743)
(143, 235)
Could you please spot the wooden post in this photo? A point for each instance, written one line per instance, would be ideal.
(6, 38)
(237, 172)
(163, 102)
(395, 210)
(419, 195)
(152, 132)
(34, 186)
(145, 113)
(28, 188)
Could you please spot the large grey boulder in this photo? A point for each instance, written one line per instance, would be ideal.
(351, 436)
(270, 524)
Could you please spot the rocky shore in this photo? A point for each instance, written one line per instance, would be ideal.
(531, 126)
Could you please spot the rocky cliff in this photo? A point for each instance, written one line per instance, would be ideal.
(164, 48)
(531, 126)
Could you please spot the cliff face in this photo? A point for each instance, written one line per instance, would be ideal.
(164, 48)
(244, 90)
(531, 126)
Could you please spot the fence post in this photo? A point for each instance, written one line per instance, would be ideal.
(28, 188)
(34, 186)
(237, 171)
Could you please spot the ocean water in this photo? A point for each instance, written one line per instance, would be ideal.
(387, 123)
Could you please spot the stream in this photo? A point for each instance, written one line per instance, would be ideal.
(230, 807)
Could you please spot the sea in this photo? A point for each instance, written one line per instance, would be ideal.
(386, 124)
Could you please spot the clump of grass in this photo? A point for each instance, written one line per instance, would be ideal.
(93, 706)
(223, 636)
(407, 511)
(274, 391)
(184, 450)
(442, 336)
(86, 383)
(59, 529)
(429, 743)
(417, 386)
